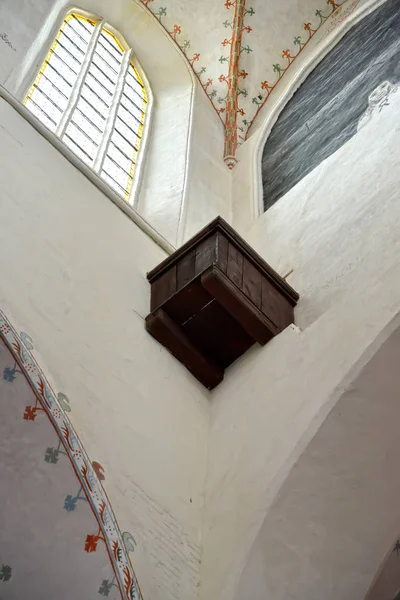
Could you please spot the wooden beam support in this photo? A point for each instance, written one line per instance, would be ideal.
(170, 335)
(238, 306)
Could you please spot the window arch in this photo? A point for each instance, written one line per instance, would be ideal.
(90, 94)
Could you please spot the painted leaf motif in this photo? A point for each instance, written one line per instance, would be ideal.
(105, 588)
(30, 413)
(70, 503)
(9, 374)
(5, 573)
(117, 551)
(128, 584)
(129, 541)
(91, 543)
(27, 340)
(64, 402)
(99, 470)
(52, 455)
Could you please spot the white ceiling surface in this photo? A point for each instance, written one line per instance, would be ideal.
(43, 522)
(274, 26)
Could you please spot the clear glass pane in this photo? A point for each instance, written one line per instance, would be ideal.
(73, 44)
(49, 95)
(93, 98)
(113, 184)
(83, 122)
(41, 115)
(125, 140)
(120, 158)
(98, 88)
(78, 141)
(75, 34)
(130, 114)
(127, 147)
(102, 71)
(107, 57)
(68, 60)
(135, 84)
(53, 78)
(92, 114)
(81, 26)
(117, 173)
(106, 62)
(109, 43)
(126, 132)
(47, 106)
(53, 93)
(94, 106)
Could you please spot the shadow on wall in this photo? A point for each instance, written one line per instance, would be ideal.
(336, 515)
(387, 583)
(326, 110)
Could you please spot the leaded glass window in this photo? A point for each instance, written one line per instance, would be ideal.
(90, 94)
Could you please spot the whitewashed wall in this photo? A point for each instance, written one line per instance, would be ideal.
(209, 182)
(20, 22)
(337, 515)
(338, 230)
(73, 276)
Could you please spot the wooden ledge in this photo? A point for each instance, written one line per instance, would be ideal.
(219, 224)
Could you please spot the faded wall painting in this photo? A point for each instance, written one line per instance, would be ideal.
(355, 79)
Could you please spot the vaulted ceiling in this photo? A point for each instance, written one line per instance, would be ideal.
(240, 49)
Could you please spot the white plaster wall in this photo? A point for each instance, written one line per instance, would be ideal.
(209, 181)
(73, 276)
(338, 231)
(20, 21)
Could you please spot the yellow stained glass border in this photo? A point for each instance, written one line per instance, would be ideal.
(52, 48)
(141, 128)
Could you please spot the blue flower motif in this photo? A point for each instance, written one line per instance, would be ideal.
(51, 455)
(105, 588)
(5, 573)
(64, 402)
(27, 340)
(9, 374)
(70, 503)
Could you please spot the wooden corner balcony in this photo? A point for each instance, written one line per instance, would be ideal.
(213, 299)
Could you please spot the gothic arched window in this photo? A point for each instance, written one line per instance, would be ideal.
(90, 94)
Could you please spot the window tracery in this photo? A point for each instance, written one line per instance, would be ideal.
(90, 94)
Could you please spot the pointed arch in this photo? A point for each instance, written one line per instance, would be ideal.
(268, 117)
